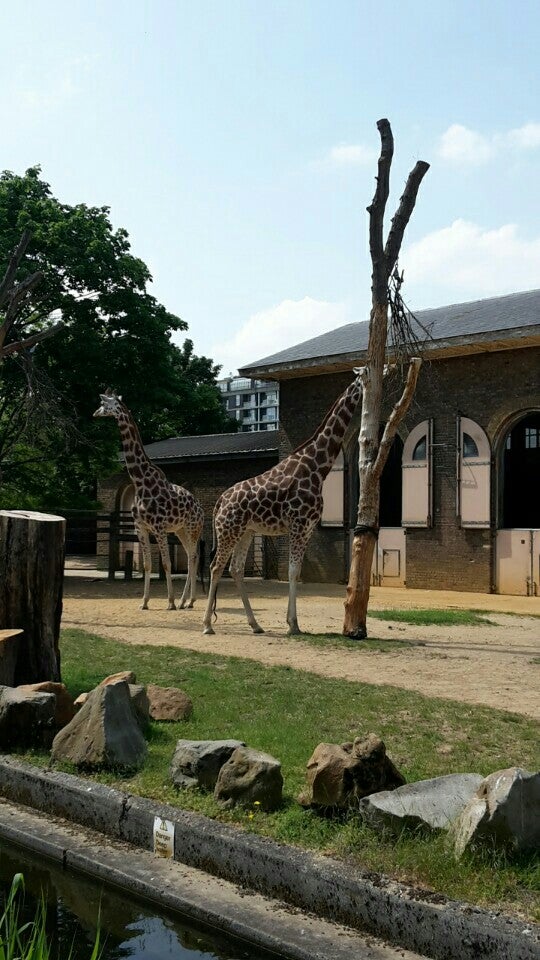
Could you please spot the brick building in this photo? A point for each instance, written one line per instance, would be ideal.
(460, 497)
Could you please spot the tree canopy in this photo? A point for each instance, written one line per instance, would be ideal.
(116, 334)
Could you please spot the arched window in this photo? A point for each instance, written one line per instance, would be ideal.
(470, 448)
(420, 450)
(333, 495)
(473, 474)
(417, 485)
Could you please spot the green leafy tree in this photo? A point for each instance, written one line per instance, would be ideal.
(115, 334)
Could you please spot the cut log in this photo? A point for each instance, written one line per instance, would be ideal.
(31, 579)
(9, 646)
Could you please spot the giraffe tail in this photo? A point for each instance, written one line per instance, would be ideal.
(213, 552)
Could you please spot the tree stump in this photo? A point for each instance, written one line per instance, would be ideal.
(31, 579)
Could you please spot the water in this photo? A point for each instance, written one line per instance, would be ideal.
(128, 930)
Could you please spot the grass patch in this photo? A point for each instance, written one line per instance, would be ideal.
(286, 713)
(434, 618)
(382, 645)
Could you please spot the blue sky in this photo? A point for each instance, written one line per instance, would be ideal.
(236, 142)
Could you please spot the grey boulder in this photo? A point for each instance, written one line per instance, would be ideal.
(505, 811)
(428, 803)
(104, 733)
(27, 718)
(250, 778)
(196, 763)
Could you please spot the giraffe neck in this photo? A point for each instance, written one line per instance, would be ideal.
(137, 463)
(326, 442)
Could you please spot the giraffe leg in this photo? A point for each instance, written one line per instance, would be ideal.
(216, 571)
(297, 548)
(162, 542)
(238, 563)
(144, 540)
(190, 587)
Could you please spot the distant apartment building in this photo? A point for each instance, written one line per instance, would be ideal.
(254, 403)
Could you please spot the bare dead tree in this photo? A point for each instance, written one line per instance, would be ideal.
(374, 452)
(16, 306)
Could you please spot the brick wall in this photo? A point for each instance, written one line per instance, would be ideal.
(489, 388)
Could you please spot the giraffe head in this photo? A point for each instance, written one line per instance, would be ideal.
(111, 405)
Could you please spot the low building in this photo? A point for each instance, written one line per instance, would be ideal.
(206, 466)
(460, 496)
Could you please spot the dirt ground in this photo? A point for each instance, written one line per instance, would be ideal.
(498, 666)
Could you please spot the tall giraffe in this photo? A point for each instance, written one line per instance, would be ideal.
(285, 499)
(159, 508)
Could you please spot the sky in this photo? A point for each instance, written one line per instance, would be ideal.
(236, 142)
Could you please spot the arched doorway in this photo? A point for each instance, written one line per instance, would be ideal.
(518, 537)
(520, 505)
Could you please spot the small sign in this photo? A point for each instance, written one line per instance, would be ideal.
(163, 838)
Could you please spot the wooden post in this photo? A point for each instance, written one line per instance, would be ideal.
(128, 566)
(31, 580)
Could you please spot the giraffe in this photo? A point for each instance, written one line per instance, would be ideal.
(160, 507)
(285, 499)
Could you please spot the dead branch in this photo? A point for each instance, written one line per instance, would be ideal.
(395, 418)
(31, 341)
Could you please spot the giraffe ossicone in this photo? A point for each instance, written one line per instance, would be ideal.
(159, 508)
(287, 499)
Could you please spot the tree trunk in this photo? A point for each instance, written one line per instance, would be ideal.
(372, 454)
(31, 579)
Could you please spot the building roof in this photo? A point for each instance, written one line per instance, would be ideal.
(224, 445)
(477, 326)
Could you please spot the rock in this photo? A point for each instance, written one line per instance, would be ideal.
(168, 703)
(126, 676)
(26, 718)
(250, 778)
(196, 763)
(340, 775)
(80, 701)
(139, 699)
(64, 708)
(9, 649)
(505, 811)
(104, 733)
(428, 803)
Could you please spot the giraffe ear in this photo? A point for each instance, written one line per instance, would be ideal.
(119, 397)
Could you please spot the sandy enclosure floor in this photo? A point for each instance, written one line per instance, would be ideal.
(498, 665)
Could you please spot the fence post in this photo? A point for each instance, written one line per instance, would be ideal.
(128, 567)
(113, 545)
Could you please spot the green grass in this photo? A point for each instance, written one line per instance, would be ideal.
(287, 713)
(434, 618)
(379, 645)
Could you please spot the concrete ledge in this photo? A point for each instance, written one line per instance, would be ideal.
(430, 925)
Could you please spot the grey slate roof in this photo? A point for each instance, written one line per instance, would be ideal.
(476, 319)
(213, 445)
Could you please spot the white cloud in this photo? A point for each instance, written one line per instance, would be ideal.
(526, 137)
(352, 154)
(60, 85)
(464, 261)
(463, 146)
(277, 328)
